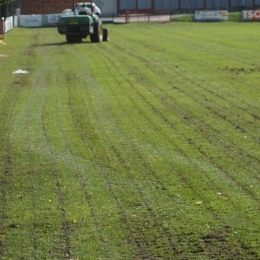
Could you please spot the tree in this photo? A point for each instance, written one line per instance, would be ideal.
(3, 7)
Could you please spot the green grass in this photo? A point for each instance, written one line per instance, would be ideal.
(234, 16)
(145, 147)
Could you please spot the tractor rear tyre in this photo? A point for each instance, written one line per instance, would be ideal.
(105, 34)
(97, 36)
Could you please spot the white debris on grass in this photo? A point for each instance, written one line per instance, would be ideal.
(21, 72)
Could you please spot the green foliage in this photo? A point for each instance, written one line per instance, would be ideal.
(144, 147)
(3, 6)
(5, 2)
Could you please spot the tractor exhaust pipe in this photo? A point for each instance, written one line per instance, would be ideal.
(92, 8)
(74, 7)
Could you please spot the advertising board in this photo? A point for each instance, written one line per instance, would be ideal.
(9, 24)
(53, 19)
(30, 20)
(217, 15)
(251, 15)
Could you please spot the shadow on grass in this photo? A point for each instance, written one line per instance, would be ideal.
(60, 43)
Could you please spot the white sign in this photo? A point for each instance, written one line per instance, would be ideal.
(251, 15)
(9, 24)
(53, 19)
(217, 15)
(30, 20)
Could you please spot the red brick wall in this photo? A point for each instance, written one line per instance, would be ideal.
(45, 6)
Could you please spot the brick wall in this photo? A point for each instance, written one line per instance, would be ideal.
(45, 6)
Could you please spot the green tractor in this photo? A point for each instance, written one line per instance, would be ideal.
(80, 23)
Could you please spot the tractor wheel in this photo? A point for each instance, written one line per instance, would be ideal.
(105, 34)
(97, 36)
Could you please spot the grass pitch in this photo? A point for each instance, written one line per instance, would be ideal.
(145, 147)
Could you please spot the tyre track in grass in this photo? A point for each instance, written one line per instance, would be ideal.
(149, 169)
(41, 81)
(143, 253)
(226, 147)
(223, 117)
(32, 151)
(139, 157)
(7, 167)
(19, 85)
(31, 171)
(253, 159)
(171, 125)
(234, 105)
(80, 171)
(235, 206)
(192, 82)
(241, 152)
(218, 114)
(123, 162)
(165, 51)
(146, 202)
(87, 139)
(217, 95)
(217, 188)
(156, 128)
(233, 179)
(7, 108)
(121, 154)
(214, 160)
(55, 174)
(67, 229)
(184, 180)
